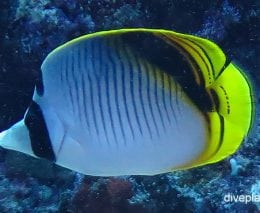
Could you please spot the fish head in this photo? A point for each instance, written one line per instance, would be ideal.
(39, 134)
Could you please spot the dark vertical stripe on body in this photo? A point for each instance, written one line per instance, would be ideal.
(123, 79)
(150, 105)
(84, 73)
(177, 95)
(92, 104)
(156, 94)
(115, 84)
(130, 60)
(163, 95)
(171, 98)
(108, 95)
(69, 85)
(91, 81)
(73, 82)
(101, 71)
(140, 93)
(75, 79)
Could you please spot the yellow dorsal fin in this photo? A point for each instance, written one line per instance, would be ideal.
(206, 58)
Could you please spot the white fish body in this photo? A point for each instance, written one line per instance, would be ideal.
(103, 109)
(112, 115)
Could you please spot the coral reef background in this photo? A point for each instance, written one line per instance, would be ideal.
(30, 29)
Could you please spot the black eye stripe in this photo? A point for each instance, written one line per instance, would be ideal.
(40, 140)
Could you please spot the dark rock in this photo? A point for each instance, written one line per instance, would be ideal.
(20, 165)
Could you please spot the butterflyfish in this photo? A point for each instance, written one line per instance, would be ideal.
(135, 102)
